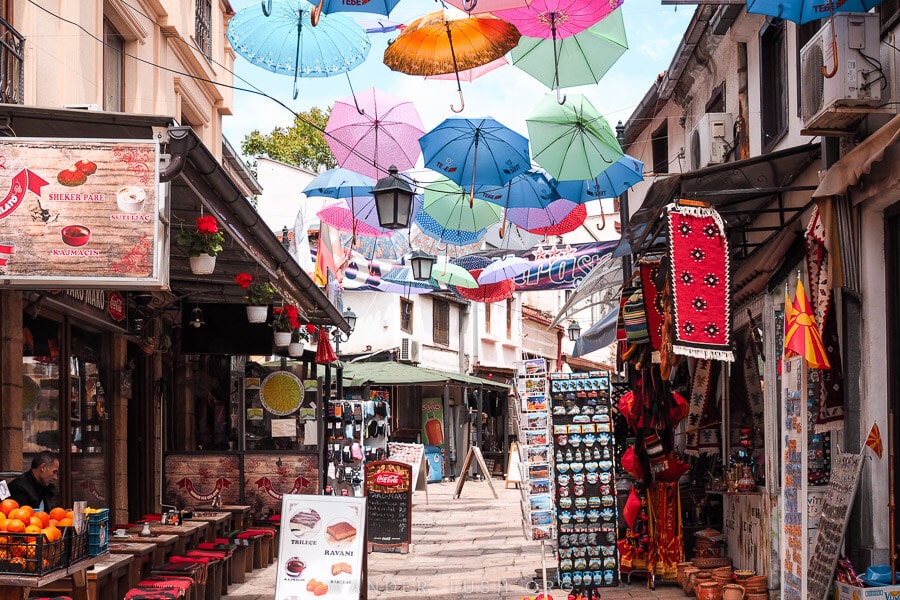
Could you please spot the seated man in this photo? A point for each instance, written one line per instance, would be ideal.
(36, 488)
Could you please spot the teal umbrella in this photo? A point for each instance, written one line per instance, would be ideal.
(451, 274)
(572, 140)
(580, 59)
(449, 205)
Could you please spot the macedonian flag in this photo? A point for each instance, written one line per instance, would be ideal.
(802, 335)
(874, 440)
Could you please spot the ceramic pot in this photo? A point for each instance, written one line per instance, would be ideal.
(733, 591)
(281, 338)
(295, 349)
(746, 483)
(708, 590)
(687, 579)
(679, 572)
(257, 314)
(203, 264)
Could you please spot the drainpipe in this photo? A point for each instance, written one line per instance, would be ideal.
(462, 337)
(624, 215)
(559, 339)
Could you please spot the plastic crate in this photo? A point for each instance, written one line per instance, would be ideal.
(76, 544)
(98, 532)
(29, 554)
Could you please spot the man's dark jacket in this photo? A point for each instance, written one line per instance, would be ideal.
(26, 489)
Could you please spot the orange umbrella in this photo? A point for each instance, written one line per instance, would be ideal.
(803, 337)
(449, 41)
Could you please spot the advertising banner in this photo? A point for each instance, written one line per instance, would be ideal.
(82, 213)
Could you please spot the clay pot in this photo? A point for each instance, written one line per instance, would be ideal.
(708, 590)
(688, 580)
(679, 572)
(733, 591)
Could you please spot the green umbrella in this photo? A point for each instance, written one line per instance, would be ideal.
(572, 140)
(580, 59)
(451, 274)
(448, 205)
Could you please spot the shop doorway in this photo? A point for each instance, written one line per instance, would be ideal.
(142, 458)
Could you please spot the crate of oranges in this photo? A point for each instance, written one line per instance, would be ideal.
(31, 543)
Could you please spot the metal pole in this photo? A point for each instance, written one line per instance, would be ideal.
(624, 214)
(891, 497)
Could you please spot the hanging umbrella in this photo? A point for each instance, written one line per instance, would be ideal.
(474, 73)
(403, 276)
(580, 59)
(447, 41)
(377, 7)
(379, 25)
(487, 292)
(339, 216)
(341, 183)
(450, 206)
(285, 41)
(503, 269)
(447, 235)
(475, 7)
(534, 219)
(531, 189)
(434, 246)
(514, 237)
(372, 130)
(451, 274)
(804, 11)
(390, 248)
(475, 151)
(572, 140)
(611, 183)
(570, 222)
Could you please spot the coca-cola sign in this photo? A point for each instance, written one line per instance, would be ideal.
(388, 479)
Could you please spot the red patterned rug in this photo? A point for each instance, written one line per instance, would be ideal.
(701, 288)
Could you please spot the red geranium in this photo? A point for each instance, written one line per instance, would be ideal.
(244, 279)
(286, 318)
(207, 225)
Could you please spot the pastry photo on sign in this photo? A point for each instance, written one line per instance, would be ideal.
(340, 532)
(305, 523)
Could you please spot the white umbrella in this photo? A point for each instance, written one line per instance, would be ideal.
(514, 237)
(453, 275)
(508, 267)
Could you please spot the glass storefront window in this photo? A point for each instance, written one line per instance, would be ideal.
(40, 388)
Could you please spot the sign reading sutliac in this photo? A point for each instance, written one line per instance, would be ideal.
(80, 212)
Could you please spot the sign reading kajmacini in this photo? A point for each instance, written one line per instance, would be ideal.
(82, 212)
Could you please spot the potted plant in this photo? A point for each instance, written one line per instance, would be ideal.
(284, 320)
(259, 295)
(203, 242)
(295, 348)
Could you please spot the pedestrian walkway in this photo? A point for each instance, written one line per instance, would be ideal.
(468, 547)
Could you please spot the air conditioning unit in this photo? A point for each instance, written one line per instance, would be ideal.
(409, 350)
(82, 106)
(415, 351)
(711, 140)
(404, 349)
(857, 82)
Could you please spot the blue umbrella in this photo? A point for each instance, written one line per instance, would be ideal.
(611, 183)
(280, 37)
(804, 11)
(378, 7)
(447, 235)
(475, 151)
(403, 276)
(532, 189)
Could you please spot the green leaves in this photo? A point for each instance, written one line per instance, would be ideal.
(302, 144)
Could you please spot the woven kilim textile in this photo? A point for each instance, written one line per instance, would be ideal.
(701, 288)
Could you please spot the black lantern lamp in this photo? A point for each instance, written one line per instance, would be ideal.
(393, 200)
(350, 317)
(574, 331)
(421, 264)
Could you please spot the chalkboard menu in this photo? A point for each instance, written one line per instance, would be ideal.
(832, 524)
(388, 506)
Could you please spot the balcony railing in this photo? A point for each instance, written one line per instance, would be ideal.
(12, 59)
(203, 27)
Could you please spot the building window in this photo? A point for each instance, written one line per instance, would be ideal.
(773, 83)
(660, 147)
(889, 11)
(113, 68)
(509, 317)
(203, 27)
(406, 315)
(441, 321)
(12, 56)
(487, 318)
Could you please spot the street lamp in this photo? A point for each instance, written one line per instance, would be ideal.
(421, 264)
(574, 331)
(393, 200)
(338, 335)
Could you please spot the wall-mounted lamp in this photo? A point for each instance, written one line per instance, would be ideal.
(197, 318)
(574, 331)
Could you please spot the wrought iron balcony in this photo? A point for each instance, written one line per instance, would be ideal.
(203, 27)
(12, 65)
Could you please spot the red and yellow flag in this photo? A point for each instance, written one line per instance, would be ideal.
(802, 336)
(874, 440)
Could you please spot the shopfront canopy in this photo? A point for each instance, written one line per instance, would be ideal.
(402, 374)
(198, 183)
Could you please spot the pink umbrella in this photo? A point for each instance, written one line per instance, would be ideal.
(373, 130)
(573, 221)
(472, 74)
(475, 7)
(532, 218)
(339, 216)
(557, 18)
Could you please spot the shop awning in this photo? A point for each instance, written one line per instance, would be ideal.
(599, 335)
(739, 190)
(201, 182)
(607, 275)
(852, 167)
(402, 374)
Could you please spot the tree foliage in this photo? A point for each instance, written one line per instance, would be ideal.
(301, 144)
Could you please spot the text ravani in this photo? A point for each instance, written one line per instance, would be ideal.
(303, 542)
(339, 553)
(77, 197)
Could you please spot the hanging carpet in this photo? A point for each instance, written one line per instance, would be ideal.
(701, 288)
(702, 436)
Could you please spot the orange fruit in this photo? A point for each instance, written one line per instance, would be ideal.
(67, 522)
(27, 511)
(57, 512)
(3, 525)
(8, 505)
(44, 517)
(70, 514)
(52, 532)
(15, 526)
(36, 521)
(53, 523)
(16, 513)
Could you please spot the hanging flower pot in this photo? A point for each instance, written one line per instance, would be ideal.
(282, 338)
(257, 314)
(295, 349)
(203, 264)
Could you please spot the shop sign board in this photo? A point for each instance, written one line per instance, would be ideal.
(388, 506)
(81, 213)
(320, 547)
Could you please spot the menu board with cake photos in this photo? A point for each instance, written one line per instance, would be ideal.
(320, 547)
(585, 482)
